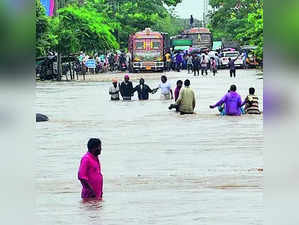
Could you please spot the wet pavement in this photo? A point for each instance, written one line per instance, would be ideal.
(159, 167)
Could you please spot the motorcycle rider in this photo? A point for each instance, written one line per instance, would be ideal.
(122, 62)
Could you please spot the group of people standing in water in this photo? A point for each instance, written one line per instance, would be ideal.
(230, 104)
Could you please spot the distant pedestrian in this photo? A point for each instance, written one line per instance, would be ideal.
(213, 65)
(114, 90)
(179, 61)
(244, 59)
(126, 88)
(90, 174)
(173, 62)
(189, 63)
(232, 67)
(217, 61)
(168, 61)
(166, 91)
(128, 59)
(204, 65)
(191, 21)
(196, 65)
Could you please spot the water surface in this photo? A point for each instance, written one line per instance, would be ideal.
(159, 167)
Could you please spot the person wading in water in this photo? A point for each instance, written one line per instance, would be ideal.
(143, 90)
(185, 104)
(90, 174)
(166, 91)
(251, 103)
(114, 90)
(232, 102)
(126, 89)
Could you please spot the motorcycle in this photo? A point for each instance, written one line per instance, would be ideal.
(123, 67)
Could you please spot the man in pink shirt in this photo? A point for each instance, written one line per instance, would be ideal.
(89, 173)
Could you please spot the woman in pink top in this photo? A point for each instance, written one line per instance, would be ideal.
(89, 173)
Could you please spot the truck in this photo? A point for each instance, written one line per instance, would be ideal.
(147, 49)
(197, 38)
(201, 37)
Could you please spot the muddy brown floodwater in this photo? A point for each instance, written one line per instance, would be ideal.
(159, 167)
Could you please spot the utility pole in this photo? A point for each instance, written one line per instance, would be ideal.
(205, 12)
(58, 5)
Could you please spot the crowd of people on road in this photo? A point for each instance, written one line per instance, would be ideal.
(112, 61)
(196, 63)
(230, 105)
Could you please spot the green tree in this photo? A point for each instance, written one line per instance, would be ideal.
(132, 16)
(240, 20)
(42, 30)
(82, 28)
(93, 25)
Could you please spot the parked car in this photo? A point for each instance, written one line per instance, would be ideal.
(233, 55)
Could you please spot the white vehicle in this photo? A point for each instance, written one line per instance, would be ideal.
(233, 55)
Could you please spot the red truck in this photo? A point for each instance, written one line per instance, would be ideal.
(147, 49)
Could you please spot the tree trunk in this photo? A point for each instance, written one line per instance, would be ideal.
(59, 66)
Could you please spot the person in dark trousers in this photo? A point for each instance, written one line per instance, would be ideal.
(196, 65)
(213, 65)
(191, 21)
(204, 65)
(111, 62)
(179, 61)
(143, 90)
(232, 67)
(189, 63)
(126, 89)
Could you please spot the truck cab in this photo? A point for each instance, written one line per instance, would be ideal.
(147, 51)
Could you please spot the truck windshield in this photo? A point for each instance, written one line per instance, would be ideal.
(140, 45)
(205, 37)
(155, 45)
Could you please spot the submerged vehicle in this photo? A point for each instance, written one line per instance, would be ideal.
(147, 49)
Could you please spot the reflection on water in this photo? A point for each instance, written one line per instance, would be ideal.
(159, 167)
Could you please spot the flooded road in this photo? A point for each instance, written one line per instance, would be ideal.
(159, 167)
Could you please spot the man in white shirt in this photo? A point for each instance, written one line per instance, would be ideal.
(166, 91)
(114, 90)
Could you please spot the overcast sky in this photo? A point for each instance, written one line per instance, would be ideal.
(190, 7)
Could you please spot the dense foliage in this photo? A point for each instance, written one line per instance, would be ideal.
(99, 25)
(42, 30)
(240, 20)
